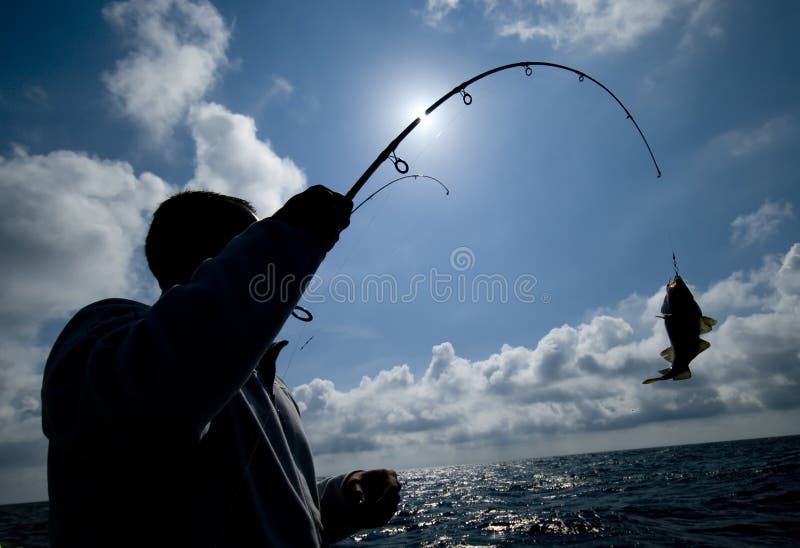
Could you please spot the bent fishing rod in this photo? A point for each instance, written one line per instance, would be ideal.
(401, 166)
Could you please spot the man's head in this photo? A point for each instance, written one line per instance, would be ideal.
(190, 227)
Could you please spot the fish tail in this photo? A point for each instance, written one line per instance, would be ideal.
(651, 381)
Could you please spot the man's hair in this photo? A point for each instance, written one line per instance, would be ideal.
(190, 227)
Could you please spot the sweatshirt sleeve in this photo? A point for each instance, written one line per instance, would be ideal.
(336, 511)
(133, 381)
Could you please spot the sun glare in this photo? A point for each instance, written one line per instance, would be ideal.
(420, 113)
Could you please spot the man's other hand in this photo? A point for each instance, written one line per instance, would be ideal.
(374, 494)
(319, 212)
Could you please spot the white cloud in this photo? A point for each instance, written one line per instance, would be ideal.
(436, 10)
(756, 227)
(279, 90)
(701, 24)
(743, 293)
(178, 47)
(70, 226)
(281, 87)
(601, 26)
(577, 379)
(232, 160)
(748, 141)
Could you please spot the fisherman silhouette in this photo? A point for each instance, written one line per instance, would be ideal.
(166, 423)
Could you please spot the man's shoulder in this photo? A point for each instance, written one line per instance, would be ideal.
(107, 309)
(113, 306)
(97, 315)
(89, 324)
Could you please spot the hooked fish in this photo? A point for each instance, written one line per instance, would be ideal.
(685, 323)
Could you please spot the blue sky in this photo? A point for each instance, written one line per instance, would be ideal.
(105, 109)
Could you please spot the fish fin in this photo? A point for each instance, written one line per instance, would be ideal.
(668, 354)
(665, 307)
(650, 381)
(702, 345)
(665, 371)
(706, 324)
(683, 376)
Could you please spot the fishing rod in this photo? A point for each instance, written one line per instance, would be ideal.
(402, 166)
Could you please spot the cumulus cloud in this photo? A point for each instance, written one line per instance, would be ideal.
(232, 160)
(756, 227)
(70, 225)
(581, 379)
(178, 47)
(598, 25)
(436, 10)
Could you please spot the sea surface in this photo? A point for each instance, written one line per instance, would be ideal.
(740, 493)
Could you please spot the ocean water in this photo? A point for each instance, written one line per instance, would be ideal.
(740, 493)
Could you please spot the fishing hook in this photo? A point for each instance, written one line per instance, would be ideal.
(389, 153)
(414, 175)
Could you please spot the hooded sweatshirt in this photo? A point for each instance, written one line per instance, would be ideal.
(163, 431)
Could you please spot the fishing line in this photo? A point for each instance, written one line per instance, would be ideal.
(307, 341)
(389, 153)
(414, 175)
(402, 167)
(303, 329)
(299, 333)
